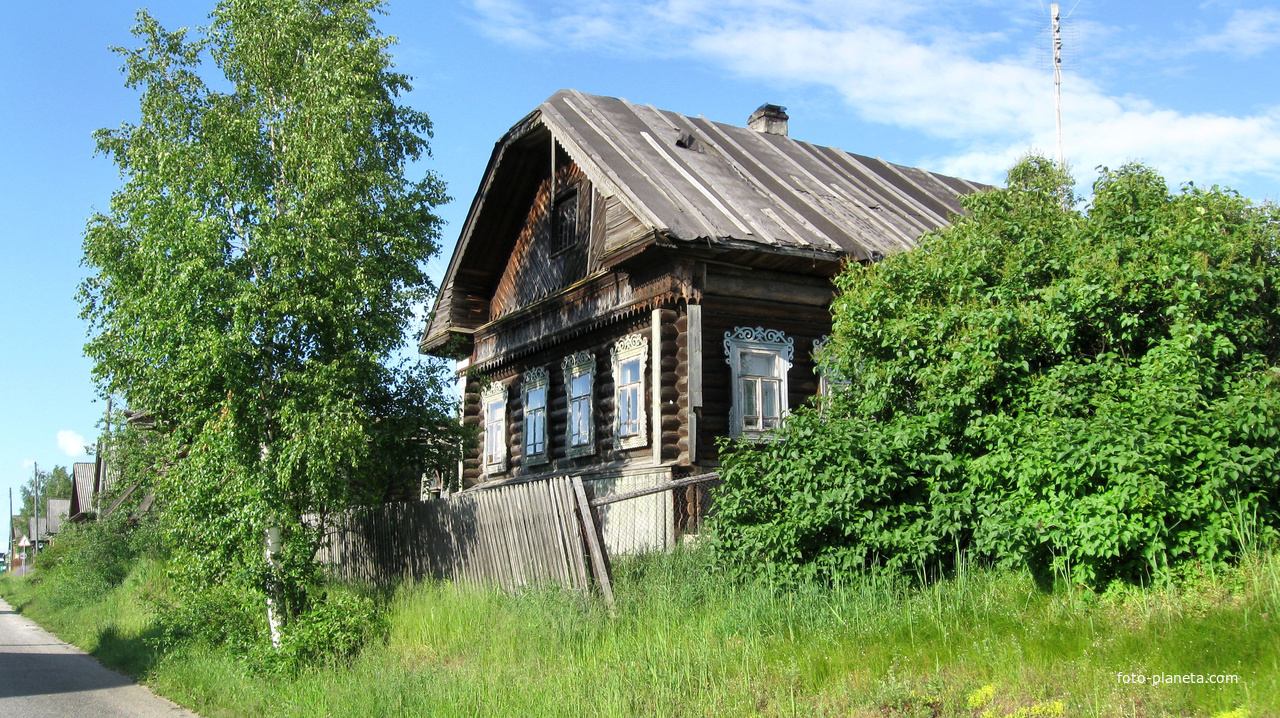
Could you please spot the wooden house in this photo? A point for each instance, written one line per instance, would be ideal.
(83, 490)
(632, 284)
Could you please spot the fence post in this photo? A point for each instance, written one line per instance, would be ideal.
(598, 564)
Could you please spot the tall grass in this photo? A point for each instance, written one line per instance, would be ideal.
(686, 642)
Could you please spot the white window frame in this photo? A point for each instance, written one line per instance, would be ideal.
(763, 341)
(626, 349)
(494, 462)
(535, 379)
(576, 365)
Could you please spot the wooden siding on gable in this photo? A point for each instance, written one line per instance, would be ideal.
(621, 227)
(533, 272)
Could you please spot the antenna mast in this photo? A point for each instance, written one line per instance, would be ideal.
(1057, 75)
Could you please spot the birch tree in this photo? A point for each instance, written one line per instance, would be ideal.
(255, 274)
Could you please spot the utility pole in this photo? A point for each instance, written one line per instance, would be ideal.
(99, 463)
(10, 554)
(35, 499)
(1057, 76)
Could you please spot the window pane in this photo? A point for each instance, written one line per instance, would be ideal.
(564, 222)
(493, 443)
(750, 406)
(757, 364)
(769, 399)
(537, 399)
(580, 385)
(579, 418)
(495, 411)
(630, 372)
(628, 414)
(535, 432)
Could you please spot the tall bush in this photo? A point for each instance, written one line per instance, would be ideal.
(1090, 392)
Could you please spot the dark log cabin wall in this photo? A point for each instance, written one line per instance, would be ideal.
(794, 304)
(607, 458)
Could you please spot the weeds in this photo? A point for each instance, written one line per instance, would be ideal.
(687, 642)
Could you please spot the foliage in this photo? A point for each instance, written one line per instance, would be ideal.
(84, 562)
(1083, 392)
(686, 641)
(332, 631)
(254, 275)
(52, 484)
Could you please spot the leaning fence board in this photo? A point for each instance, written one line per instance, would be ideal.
(509, 537)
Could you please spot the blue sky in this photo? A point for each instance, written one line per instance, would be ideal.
(956, 87)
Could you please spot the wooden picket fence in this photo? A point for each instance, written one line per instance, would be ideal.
(511, 536)
(541, 532)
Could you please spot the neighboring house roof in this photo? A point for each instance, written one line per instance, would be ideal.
(82, 487)
(691, 180)
(57, 511)
(17, 528)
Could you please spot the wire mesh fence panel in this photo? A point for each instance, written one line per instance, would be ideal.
(650, 512)
(644, 524)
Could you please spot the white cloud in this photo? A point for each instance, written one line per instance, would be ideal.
(71, 443)
(1247, 33)
(902, 64)
(508, 21)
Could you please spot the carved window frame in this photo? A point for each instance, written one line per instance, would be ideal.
(575, 365)
(757, 340)
(626, 349)
(537, 378)
(494, 430)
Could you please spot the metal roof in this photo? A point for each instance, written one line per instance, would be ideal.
(694, 179)
(82, 486)
(57, 511)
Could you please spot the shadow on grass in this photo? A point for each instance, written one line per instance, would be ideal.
(134, 655)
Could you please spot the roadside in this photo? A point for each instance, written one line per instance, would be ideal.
(44, 676)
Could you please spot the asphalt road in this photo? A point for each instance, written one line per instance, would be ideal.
(42, 677)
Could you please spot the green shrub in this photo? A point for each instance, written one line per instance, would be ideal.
(332, 630)
(83, 563)
(1088, 393)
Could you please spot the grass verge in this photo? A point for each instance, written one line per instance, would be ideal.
(984, 644)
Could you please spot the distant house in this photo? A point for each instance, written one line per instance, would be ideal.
(84, 476)
(56, 511)
(632, 285)
(38, 529)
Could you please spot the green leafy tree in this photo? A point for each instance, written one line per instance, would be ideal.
(52, 484)
(254, 275)
(1092, 393)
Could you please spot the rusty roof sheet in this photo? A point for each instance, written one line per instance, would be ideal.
(694, 179)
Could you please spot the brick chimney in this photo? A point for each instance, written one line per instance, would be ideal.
(769, 119)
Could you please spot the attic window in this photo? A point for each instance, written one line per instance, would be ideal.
(564, 222)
